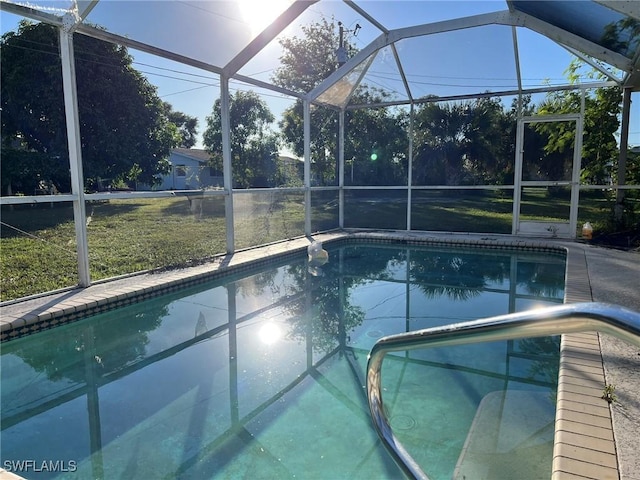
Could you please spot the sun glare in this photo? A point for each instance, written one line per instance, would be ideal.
(270, 333)
(258, 14)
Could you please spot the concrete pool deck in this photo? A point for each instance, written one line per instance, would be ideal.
(593, 440)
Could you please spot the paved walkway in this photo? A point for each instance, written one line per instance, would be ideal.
(615, 278)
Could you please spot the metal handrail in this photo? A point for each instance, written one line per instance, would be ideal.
(579, 317)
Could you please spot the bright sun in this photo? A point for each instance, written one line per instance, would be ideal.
(260, 13)
(270, 333)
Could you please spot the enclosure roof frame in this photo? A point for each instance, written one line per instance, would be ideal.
(513, 16)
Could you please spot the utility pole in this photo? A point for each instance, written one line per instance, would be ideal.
(341, 53)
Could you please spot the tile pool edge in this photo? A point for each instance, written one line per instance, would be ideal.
(24, 318)
(584, 444)
(582, 447)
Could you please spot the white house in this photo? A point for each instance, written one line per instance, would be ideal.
(189, 170)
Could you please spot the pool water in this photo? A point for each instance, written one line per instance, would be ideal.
(263, 376)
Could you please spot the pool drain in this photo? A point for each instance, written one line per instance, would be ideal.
(374, 333)
(402, 422)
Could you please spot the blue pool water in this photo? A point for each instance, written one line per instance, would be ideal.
(262, 376)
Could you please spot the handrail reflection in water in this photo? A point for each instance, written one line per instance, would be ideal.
(579, 317)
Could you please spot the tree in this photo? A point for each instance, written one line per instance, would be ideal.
(187, 126)
(323, 129)
(489, 141)
(439, 131)
(254, 147)
(306, 62)
(126, 133)
(599, 145)
(467, 143)
(376, 145)
(633, 166)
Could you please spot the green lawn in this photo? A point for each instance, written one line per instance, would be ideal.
(125, 236)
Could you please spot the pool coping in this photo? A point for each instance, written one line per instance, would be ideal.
(584, 446)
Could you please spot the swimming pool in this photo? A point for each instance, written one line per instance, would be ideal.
(262, 375)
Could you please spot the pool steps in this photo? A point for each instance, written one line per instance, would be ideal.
(571, 318)
(511, 431)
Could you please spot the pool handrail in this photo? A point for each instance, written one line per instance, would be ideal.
(573, 318)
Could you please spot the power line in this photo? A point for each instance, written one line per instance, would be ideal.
(187, 91)
(107, 64)
(216, 14)
(375, 74)
(172, 70)
(179, 78)
(389, 76)
(368, 78)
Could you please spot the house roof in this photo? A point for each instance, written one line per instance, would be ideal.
(197, 154)
(290, 159)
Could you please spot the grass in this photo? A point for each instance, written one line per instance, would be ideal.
(475, 212)
(261, 218)
(125, 236)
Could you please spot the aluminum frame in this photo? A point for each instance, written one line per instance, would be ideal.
(72, 22)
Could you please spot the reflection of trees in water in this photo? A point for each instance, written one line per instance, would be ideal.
(330, 319)
(462, 276)
(547, 349)
(321, 307)
(457, 276)
(457, 294)
(257, 284)
(118, 341)
(371, 263)
(327, 319)
(279, 281)
(542, 279)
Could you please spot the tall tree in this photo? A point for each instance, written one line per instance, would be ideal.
(599, 145)
(440, 131)
(125, 130)
(323, 129)
(187, 125)
(375, 142)
(254, 147)
(376, 145)
(309, 59)
(305, 62)
(633, 166)
(467, 143)
(489, 142)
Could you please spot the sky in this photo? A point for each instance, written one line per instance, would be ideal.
(464, 61)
